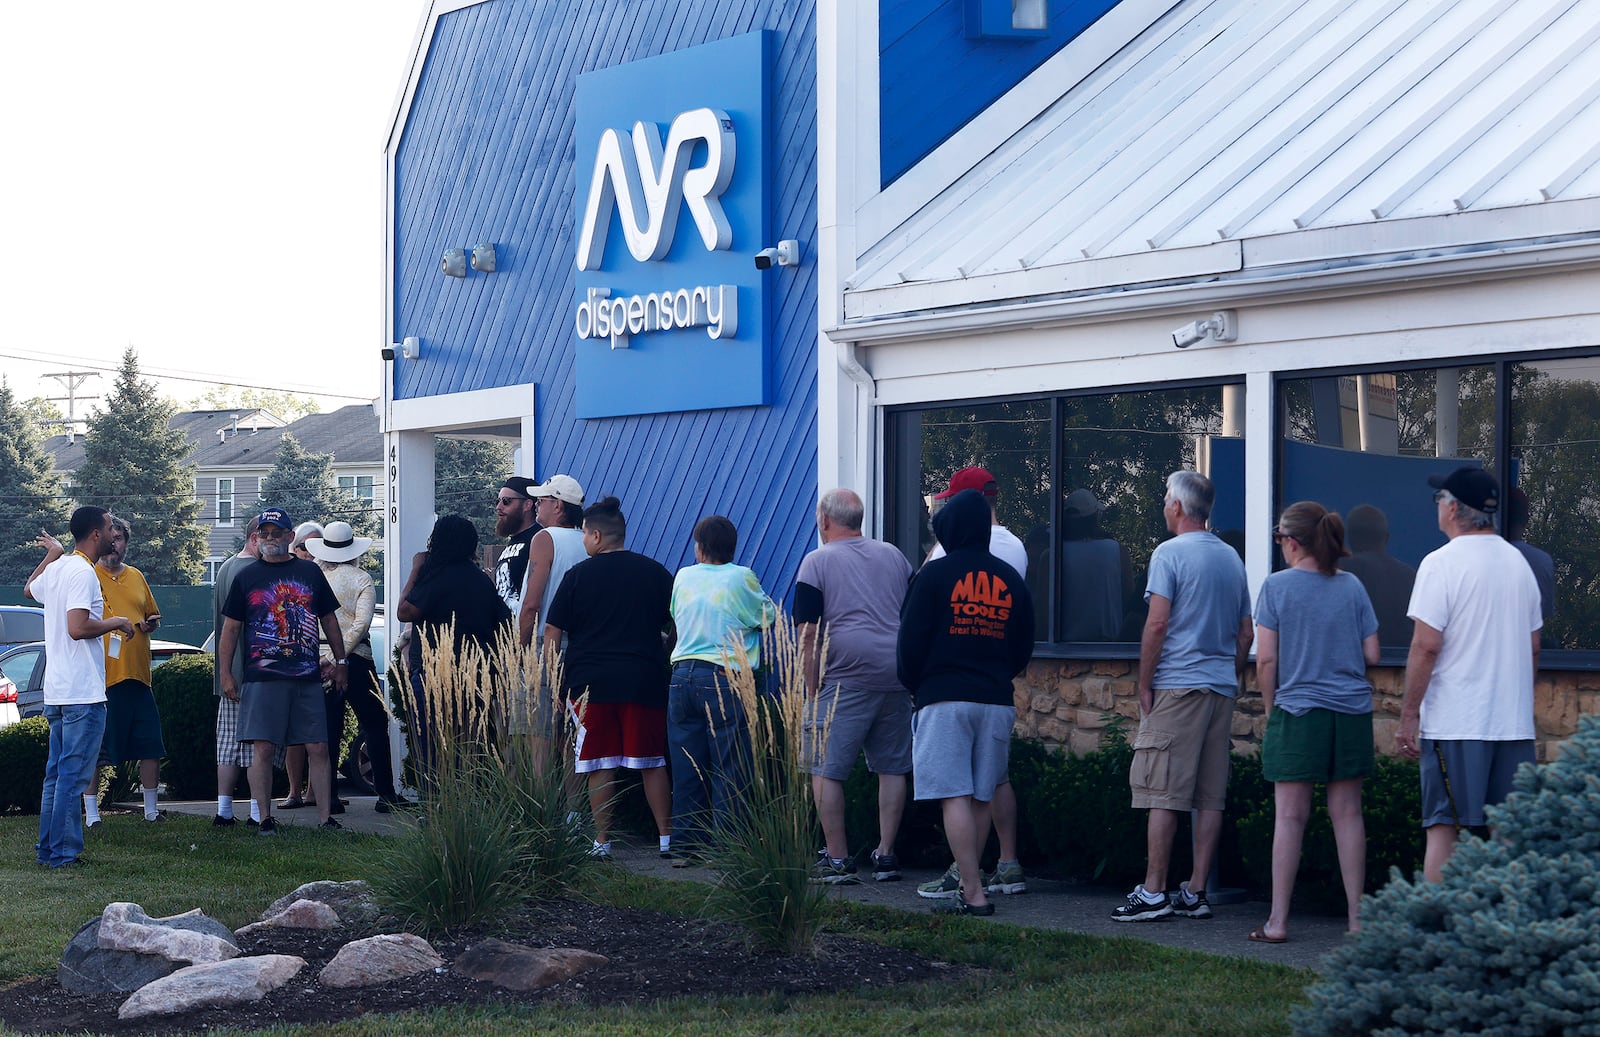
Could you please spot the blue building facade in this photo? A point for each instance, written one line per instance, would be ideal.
(511, 108)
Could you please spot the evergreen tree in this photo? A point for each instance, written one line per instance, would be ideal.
(30, 491)
(302, 484)
(467, 476)
(137, 465)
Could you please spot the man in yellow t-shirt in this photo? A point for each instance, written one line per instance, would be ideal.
(133, 725)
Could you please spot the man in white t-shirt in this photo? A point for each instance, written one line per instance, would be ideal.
(1004, 545)
(75, 679)
(1467, 714)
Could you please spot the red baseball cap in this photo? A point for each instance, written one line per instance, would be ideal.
(971, 479)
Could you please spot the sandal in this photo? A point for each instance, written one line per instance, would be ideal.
(1259, 935)
(957, 905)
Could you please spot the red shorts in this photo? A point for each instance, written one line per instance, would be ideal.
(619, 734)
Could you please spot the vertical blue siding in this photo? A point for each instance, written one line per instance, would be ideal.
(488, 154)
(933, 80)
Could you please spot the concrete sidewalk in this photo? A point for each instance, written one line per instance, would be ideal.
(1048, 904)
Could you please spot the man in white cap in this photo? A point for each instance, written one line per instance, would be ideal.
(1467, 714)
(555, 548)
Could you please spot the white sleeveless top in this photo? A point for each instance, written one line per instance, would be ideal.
(568, 544)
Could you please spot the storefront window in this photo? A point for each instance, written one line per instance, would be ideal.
(1553, 511)
(1364, 445)
(1081, 481)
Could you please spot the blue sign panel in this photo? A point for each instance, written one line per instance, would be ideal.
(671, 210)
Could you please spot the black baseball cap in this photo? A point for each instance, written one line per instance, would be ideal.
(1473, 487)
(520, 485)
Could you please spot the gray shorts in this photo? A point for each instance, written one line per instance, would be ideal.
(961, 749)
(283, 712)
(877, 721)
(1479, 775)
(530, 713)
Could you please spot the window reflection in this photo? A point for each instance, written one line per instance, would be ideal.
(1364, 445)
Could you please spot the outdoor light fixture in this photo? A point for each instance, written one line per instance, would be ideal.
(483, 257)
(1222, 327)
(455, 262)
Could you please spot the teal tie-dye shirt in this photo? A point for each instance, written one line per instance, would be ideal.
(716, 606)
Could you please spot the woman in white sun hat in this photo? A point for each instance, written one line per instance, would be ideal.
(337, 551)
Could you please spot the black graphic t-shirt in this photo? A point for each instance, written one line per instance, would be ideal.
(281, 606)
(512, 567)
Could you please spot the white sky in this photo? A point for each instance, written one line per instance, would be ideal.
(202, 181)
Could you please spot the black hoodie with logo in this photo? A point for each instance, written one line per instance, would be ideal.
(966, 628)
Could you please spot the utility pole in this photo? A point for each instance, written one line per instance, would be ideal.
(72, 380)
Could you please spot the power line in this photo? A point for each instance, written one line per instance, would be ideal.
(154, 373)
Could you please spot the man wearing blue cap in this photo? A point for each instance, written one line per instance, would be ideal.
(1467, 715)
(274, 609)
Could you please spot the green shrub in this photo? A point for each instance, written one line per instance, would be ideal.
(1074, 812)
(182, 689)
(1505, 943)
(24, 748)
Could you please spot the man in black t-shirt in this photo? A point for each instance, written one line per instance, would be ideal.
(614, 608)
(273, 611)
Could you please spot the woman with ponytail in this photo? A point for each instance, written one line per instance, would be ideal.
(1316, 633)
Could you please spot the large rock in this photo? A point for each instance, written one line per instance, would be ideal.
(351, 900)
(88, 967)
(516, 967)
(379, 959)
(218, 983)
(302, 914)
(125, 927)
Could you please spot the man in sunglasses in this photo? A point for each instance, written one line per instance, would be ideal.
(514, 520)
(1467, 715)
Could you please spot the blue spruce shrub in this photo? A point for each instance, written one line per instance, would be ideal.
(1508, 943)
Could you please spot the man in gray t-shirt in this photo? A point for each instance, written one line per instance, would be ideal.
(847, 607)
(1192, 652)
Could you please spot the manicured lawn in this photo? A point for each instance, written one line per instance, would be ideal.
(1034, 981)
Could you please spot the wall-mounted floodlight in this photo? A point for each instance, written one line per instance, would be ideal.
(1222, 327)
(483, 257)
(455, 262)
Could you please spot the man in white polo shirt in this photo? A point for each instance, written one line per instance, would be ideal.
(75, 681)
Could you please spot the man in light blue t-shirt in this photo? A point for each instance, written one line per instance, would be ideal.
(1191, 655)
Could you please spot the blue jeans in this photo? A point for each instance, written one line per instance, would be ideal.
(75, 735)
(708, 747)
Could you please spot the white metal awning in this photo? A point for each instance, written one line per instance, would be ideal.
(1358, 125)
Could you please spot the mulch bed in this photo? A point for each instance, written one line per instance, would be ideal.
(653, 956)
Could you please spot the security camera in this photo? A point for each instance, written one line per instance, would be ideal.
(388, 352)
(1189, 334)
(1222, 327)
(784, 253)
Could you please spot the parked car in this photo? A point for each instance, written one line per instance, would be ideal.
(20, 624)
(24, 666)
(9, 714)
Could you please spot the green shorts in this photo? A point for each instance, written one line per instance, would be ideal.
(1320, 746)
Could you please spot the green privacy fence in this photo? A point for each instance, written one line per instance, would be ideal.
(185, 611)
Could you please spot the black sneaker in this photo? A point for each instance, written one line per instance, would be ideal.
(223, 822)
(1190, 905)
(382, 806)
(1139, 909)
(830, 872)
(331, 825)
(252, 822)
(268, 826)
(885, 867)
(161, 815)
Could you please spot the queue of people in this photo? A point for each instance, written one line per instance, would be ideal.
(914, 669)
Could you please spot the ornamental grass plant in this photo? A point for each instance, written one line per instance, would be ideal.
(492, 828)
(765, 851)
